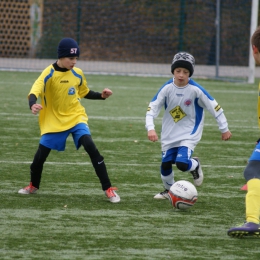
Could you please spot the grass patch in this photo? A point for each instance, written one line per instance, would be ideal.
(70, 218)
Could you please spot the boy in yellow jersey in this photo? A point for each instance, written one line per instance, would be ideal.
(251, 226)
(61, 87)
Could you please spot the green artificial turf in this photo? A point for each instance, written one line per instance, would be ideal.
(70, 217)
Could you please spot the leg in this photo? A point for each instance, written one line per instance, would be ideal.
(167, 174)
(36, 170)
(251, 226)
(100, 168)
(97, 161)
(184, 163)
(167, 177)
(252, 176)
(37, 165)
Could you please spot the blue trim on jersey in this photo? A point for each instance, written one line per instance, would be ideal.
(48, 77)
(156, 95)
(192, 82)
(77, 75)
(199, 114)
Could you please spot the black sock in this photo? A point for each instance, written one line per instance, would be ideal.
(37, 165)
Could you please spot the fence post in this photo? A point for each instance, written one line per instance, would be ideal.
(253, 26)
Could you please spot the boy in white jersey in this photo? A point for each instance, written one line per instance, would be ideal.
(184, 101)
(251, 226)
(60, 87)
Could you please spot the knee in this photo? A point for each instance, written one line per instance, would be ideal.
(252, 170)
(166, 168)
(182, 166)
(88, 144)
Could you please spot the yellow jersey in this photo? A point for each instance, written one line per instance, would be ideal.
(60, 93)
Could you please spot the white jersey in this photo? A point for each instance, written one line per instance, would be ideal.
(183, 119)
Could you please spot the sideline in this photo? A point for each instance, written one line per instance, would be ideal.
(127, 68)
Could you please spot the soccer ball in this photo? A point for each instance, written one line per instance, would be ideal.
(183, 194)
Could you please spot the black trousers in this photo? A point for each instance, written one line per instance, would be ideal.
(96, 158)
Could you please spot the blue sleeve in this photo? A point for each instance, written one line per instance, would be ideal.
(166, 83)
(192, 82)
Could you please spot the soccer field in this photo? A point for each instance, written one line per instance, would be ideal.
(70, 217)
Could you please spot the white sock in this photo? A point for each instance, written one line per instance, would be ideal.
(168, 180)
(194, 165)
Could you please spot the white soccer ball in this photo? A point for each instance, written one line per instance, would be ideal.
(183, 194)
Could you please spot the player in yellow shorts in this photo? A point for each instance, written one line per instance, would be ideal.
(61, 86)
(251, 227)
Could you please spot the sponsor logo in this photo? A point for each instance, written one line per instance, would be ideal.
(177, 114)
(64, 81)
(71, 91)
(100, 162)
(179, 95)
(149, 108)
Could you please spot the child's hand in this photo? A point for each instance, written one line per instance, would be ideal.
(152, 136)
(227, 135)
(106, 93)
(36, 108)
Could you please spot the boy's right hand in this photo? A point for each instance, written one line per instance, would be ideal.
(152, 136)
(36, 108)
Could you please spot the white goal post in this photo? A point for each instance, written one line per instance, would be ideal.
(253, 26)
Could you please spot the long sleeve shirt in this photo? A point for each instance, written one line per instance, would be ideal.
(60, 91)
(183, 119)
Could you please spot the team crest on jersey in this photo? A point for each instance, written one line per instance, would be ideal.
(187, 102)
(71, 91)
(177, 114)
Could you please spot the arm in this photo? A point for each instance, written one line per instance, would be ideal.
(32, 100)
(153, 110)
(216, 110)
(32, 104)
(151, 133)
(223, 127)
(36, 91)
(97, 95)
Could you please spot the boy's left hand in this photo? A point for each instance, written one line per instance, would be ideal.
(227, 135)
(106, 93)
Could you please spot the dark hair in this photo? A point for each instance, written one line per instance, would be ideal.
(255, 39)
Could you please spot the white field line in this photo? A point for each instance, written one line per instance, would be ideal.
(107, 163)
(134, 118)
(115, 140)
(254, 92)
